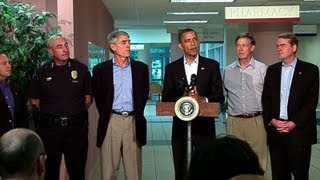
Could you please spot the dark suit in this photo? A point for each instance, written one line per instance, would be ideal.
(20, 111)
(103, 91)
(290, 152)
(209, 85)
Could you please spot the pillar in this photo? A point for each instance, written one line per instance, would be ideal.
(266, 36)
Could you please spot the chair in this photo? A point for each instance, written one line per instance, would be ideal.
(155, 89)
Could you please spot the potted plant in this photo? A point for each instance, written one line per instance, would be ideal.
(24, 32)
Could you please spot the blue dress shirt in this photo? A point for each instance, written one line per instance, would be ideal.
(122, 82)
(5, 88)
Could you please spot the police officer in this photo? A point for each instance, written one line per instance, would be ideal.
(61, 91)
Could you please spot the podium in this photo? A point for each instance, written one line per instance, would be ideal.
(205, 110)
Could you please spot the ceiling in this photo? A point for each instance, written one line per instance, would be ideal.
(150, 13)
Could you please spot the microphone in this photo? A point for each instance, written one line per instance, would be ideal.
(192, 82)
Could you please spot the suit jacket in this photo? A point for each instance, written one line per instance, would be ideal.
(103, 92)
(208, 84)
(6, 122)
(302, 103)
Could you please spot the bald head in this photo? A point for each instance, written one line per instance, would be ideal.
(19, 151)
(5, 67)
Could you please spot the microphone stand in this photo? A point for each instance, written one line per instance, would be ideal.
(190, 90)
(189, 144)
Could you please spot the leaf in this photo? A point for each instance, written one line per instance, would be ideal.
(23, 34)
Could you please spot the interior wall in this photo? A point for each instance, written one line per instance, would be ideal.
(92, 22)
(65, 21)
(232, 30)
(175, 52)
(148, 35)
(308, 49)
(266, 36)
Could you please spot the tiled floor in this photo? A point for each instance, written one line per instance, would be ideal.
(157, 154)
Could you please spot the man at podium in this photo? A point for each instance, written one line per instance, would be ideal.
(203, 76)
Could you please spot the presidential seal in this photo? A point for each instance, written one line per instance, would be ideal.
(186, 108)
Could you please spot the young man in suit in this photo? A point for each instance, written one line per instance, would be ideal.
(12, 101)
(208, 87)
(120, 89)
(290, 98)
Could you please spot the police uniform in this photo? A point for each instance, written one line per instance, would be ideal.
(63, 118)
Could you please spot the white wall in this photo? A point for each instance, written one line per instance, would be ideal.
(309, 48)
(231, 32)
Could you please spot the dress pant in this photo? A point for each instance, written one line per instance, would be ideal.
(289, 159)
(73, 143)
(252, 131)
(120, 141)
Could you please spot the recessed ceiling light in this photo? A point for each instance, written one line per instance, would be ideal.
(186, 21)
(199, 1)
(192, 13)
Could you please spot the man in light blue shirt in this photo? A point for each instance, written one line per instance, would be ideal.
(243, 84)
(121, 89)
(290, 98)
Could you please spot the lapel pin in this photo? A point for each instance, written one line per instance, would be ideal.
(300, 73)
(202, 68)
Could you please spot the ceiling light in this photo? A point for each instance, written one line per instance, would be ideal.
(186, 21)
(192, 13)
(198, 1)
(311, 11)
(310, 0)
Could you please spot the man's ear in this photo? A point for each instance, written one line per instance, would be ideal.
(50, 51)
(41, 165)
(113, 47)
(295, 48)
(180, 46)
(253, 47)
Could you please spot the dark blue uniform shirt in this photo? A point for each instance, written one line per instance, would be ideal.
(61, 89)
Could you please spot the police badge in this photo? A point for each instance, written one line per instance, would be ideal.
(74, 74)
(186, 108)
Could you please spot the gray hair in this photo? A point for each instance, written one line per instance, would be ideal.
(113, 37)
(49, 45)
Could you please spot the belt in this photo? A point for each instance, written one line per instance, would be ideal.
(248, 115)
(47, 120)
(283, 119)
(123, 113)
